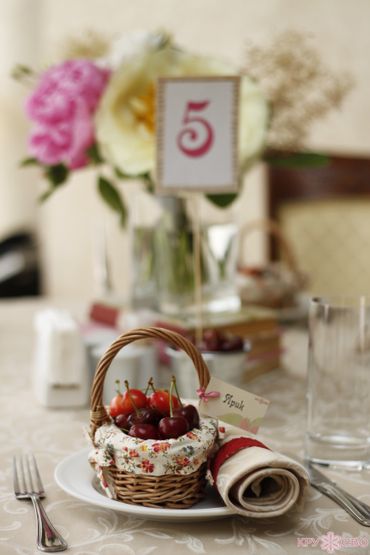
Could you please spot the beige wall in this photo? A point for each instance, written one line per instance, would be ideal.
(68, 223)
(18, 43)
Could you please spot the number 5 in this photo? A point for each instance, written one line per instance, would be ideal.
(188, 138)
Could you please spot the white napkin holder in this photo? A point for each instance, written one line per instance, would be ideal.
(61, 376)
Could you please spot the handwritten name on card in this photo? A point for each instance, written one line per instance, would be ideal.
(235, 406)
(197, 134)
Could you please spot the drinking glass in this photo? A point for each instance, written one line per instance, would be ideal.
(338, 389)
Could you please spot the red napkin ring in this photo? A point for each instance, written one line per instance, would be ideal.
(229, 449)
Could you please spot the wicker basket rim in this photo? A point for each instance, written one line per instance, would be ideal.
(98, 412)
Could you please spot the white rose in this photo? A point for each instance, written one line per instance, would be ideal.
(125, 120)
(137, 43)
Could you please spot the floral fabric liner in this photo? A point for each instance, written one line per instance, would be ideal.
(180, 456)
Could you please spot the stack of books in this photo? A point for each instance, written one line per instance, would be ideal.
(257, 326)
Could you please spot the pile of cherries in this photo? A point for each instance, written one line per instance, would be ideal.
(158, 415)
(218, 341)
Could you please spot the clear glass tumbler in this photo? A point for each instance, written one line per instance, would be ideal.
(338, 390)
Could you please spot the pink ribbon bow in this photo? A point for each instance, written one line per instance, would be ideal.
(205, 396)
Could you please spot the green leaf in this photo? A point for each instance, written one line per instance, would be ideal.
(145, 177)
(45, 195)
(94, 154)
(122, 175)
(56, 175)
(112, 197)
(222, 200)
(20, 71)
(297, 159)
(149, 183)
(29, 162)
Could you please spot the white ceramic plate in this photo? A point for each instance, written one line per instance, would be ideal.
(75, 476)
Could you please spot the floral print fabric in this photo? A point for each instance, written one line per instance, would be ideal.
(180, 456)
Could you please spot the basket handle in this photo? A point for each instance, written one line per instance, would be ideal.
(272, 228)
(98, 413)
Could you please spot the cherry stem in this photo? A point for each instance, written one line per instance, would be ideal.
(118, 387)
(150, 384)
(176, 391)
(130, 397)
(173, 384)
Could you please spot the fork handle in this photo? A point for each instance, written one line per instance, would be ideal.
(340, 497)
(360, 505)
(48, 539)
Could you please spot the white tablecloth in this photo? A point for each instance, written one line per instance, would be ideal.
(54, 434)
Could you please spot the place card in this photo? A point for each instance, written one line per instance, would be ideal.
(234, 406)
(197, 134)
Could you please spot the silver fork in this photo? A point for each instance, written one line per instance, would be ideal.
(28, 485)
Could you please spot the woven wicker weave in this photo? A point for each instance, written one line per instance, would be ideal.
(285, 279)
(170, 491)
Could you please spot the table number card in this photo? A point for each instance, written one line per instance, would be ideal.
(197, 134)
(234, 406)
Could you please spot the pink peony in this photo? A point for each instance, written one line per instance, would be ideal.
(65, 141)
(62, 107)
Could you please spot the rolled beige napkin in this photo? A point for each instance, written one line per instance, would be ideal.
(255, 481)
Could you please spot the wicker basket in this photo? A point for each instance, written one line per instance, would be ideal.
(169, 490)
(277, 284)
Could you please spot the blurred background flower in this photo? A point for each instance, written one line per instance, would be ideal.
(62, 108)
(45, 33)
(101, 110)
(125, 121)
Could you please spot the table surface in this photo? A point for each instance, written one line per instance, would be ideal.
(54, 434)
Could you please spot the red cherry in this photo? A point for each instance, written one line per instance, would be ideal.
(160, 400)
(122, 421)
(173, 427)
(133, 399)
(211, 340)
(144, 431)
(116, 406)
(218, 341)
(144, 416)
(190, 413)
(232, 344)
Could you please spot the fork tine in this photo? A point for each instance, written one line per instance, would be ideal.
(16, 485)
(27, 474)
(40, 487)
(27, 480)
(20, 474)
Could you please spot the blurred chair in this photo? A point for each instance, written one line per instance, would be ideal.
(325, 213)
(19, 266)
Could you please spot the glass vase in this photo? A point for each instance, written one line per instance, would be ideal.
(144, 215)
(174, 262)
